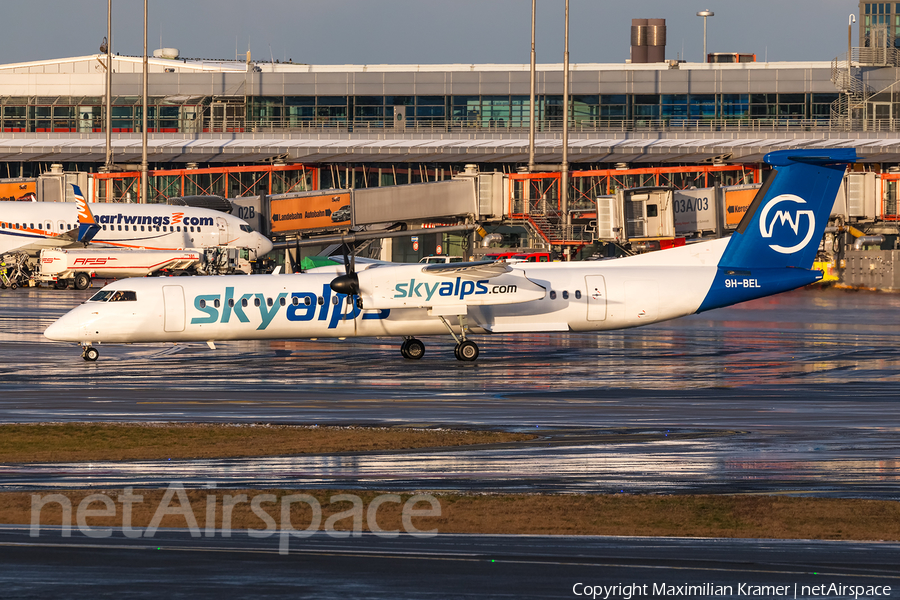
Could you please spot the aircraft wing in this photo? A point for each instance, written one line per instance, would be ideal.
(485, 269)
(453, 286)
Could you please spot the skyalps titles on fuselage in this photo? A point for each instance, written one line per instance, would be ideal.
(32, 226)
(772, 251)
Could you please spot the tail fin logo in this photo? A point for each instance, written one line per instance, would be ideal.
(84, 212)
(789, 215)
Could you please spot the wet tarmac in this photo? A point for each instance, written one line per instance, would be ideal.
(172, 564)
(791, 394)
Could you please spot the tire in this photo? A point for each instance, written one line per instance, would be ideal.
(414, 349)
(61, 284)
(403, 349)
(466, 351)
(90, 354)
(13, 285)
(82, 281)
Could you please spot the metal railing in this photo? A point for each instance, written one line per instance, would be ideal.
(784, 124)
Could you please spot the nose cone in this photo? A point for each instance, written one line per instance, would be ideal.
(263, 246)
(64, 329)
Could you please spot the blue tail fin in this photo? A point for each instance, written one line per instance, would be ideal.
(784, 225)
(776, 242)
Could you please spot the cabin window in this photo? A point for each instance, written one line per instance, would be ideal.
(142, 228)
(268, 302)
(578, 294)
(192, 229)
(281, 301)
(334, 300)
(104, 228)
(320, 301)
(307, 301)
(244, 302)
(256, 302)
(230, 302)
(216, 303)
(295, 301)
(553, 295)
(565, 295)
(126, 228)
(202, 303)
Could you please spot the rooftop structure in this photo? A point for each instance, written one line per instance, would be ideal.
(240, 112)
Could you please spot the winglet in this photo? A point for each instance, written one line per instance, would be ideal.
(87, 225)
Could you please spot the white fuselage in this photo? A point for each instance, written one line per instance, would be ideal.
(583, 296)
(36, 225)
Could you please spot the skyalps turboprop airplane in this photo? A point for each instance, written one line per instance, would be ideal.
(772, 251)
(33, 226)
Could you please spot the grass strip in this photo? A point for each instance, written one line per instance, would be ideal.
(88, 442)
(775, 517)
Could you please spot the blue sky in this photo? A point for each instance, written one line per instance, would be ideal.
(423, 31)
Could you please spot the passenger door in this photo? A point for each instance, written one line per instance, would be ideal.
(596, 297)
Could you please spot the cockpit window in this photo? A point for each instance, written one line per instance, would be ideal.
(246, 228)
(101, 296)
(124, 296)
(114, 296)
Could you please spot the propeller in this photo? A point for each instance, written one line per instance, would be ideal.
(349, 282)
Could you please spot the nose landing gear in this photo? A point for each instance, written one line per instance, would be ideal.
(89, 353)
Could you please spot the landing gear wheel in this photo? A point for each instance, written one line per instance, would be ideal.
(466, 351)
(90, 354)
(82, 281)
(412, 349)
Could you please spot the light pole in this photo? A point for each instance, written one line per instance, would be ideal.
(144, 187)
(704, 14)
(850, 23)
(564, 176)
(531, 101)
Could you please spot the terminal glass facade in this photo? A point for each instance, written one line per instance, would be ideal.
(490, 112)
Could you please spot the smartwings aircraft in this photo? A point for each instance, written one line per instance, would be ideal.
(32, 226)
(772, 251)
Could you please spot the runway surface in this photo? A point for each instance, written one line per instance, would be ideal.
(174, 565)
(794, 394)
(791, 394)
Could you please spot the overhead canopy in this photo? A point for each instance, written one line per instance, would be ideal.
(234, 149)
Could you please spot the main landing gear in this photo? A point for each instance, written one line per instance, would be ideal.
(89, 353)
(466, 350)
(412, 349)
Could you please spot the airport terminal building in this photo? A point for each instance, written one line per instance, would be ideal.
(215, 126)
(231, 112)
